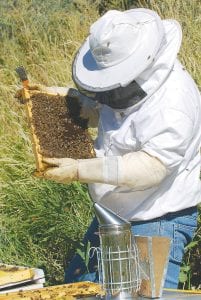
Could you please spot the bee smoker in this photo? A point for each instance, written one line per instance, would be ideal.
(118, 257)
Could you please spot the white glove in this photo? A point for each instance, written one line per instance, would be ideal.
(137, 170)
(62, 170)
(62, 91)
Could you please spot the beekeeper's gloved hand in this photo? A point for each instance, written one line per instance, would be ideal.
(137, 170)
(62, 91)
(62, 170)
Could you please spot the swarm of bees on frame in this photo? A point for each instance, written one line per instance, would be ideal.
(59, 128)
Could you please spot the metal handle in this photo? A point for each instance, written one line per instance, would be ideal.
(22, 73)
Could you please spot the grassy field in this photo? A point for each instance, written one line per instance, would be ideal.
(41, 222)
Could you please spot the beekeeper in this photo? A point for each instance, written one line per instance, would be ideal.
(148, 111)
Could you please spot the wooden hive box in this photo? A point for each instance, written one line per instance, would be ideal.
(57, 130)
(11, 274)
(59, 292)
(15, 278)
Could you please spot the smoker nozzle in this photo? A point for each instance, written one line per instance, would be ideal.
(107, 217)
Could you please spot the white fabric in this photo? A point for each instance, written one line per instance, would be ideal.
(166, 126)
(62, 170)
(140, 171)
(137, 170)
(117, 35)
(110, 170)
(104, 169)
(121, 45)
(62, 91)
(153, 77)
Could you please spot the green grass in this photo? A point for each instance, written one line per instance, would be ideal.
(42, 222)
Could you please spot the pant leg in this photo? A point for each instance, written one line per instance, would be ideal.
(180, 228)
(77, 269)
(183, 227)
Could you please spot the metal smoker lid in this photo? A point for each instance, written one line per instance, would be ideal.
(106, 217)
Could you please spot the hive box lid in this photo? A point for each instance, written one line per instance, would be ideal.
(12, 275)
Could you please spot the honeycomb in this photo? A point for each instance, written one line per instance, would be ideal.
(58, 130)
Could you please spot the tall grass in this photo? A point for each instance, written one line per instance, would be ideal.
(42, 222)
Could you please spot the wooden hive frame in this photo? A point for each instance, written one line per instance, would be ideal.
(59, 292)
(40, 165)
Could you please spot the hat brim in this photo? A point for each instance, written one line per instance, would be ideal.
(88, 75)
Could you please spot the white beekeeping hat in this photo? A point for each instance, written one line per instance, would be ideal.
(121, 45)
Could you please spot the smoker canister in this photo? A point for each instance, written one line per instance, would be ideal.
(118, 260)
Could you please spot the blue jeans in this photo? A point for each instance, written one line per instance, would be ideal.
(179, 227)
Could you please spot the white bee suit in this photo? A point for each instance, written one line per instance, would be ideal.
(148, 110)
(148, 159)
(165, 125)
